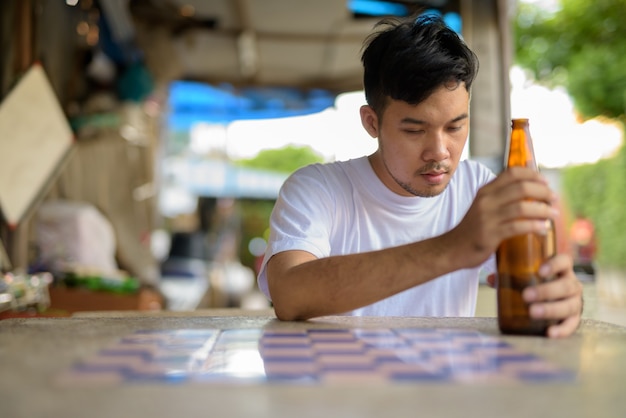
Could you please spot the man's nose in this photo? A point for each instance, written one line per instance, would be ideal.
(436, 148)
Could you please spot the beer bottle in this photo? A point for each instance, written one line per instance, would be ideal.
(519, 258)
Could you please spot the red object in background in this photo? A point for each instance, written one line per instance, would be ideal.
(583, 240)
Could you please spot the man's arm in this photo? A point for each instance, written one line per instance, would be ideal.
(303, 287)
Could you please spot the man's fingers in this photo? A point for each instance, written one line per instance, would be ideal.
(558, 289)
(565, 328)
(558, 309)
(522, 183)
(523, 226)
(559, 299)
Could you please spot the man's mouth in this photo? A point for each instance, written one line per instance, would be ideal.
(434, 177)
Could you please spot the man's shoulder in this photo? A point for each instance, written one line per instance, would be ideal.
(474, 166)
(328, 170)
(471, 175)
(474, 169)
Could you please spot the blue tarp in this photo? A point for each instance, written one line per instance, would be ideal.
(392, 8)
(192, 102)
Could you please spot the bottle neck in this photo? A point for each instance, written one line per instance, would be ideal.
(521, 152)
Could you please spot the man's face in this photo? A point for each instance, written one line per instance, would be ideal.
(419, 146)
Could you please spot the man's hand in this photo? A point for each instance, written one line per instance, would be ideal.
(560, 299)
(516, 202)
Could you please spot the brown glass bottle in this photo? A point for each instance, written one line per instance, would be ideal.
(519, 258)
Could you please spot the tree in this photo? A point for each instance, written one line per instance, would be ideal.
(582, 47)
(283, 160)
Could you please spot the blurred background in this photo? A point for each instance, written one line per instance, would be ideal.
(179, 120)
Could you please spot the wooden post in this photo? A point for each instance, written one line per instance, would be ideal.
(486, 30)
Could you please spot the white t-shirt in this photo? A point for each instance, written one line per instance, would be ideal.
(344, 208)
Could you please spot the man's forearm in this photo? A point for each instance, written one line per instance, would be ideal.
(340, 284)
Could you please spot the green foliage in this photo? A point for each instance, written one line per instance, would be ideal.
(599, 92)
(597, 192)
(283, 160)
(582, 46)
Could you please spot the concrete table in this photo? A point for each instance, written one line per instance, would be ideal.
(34, 352)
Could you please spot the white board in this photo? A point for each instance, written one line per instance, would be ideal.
(35, 136)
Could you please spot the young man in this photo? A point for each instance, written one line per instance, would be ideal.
(406, 230)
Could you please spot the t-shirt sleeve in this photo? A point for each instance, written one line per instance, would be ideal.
(301, 218)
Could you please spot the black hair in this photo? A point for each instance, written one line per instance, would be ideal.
(409, 59)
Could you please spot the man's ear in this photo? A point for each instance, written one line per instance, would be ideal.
(369, 120)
